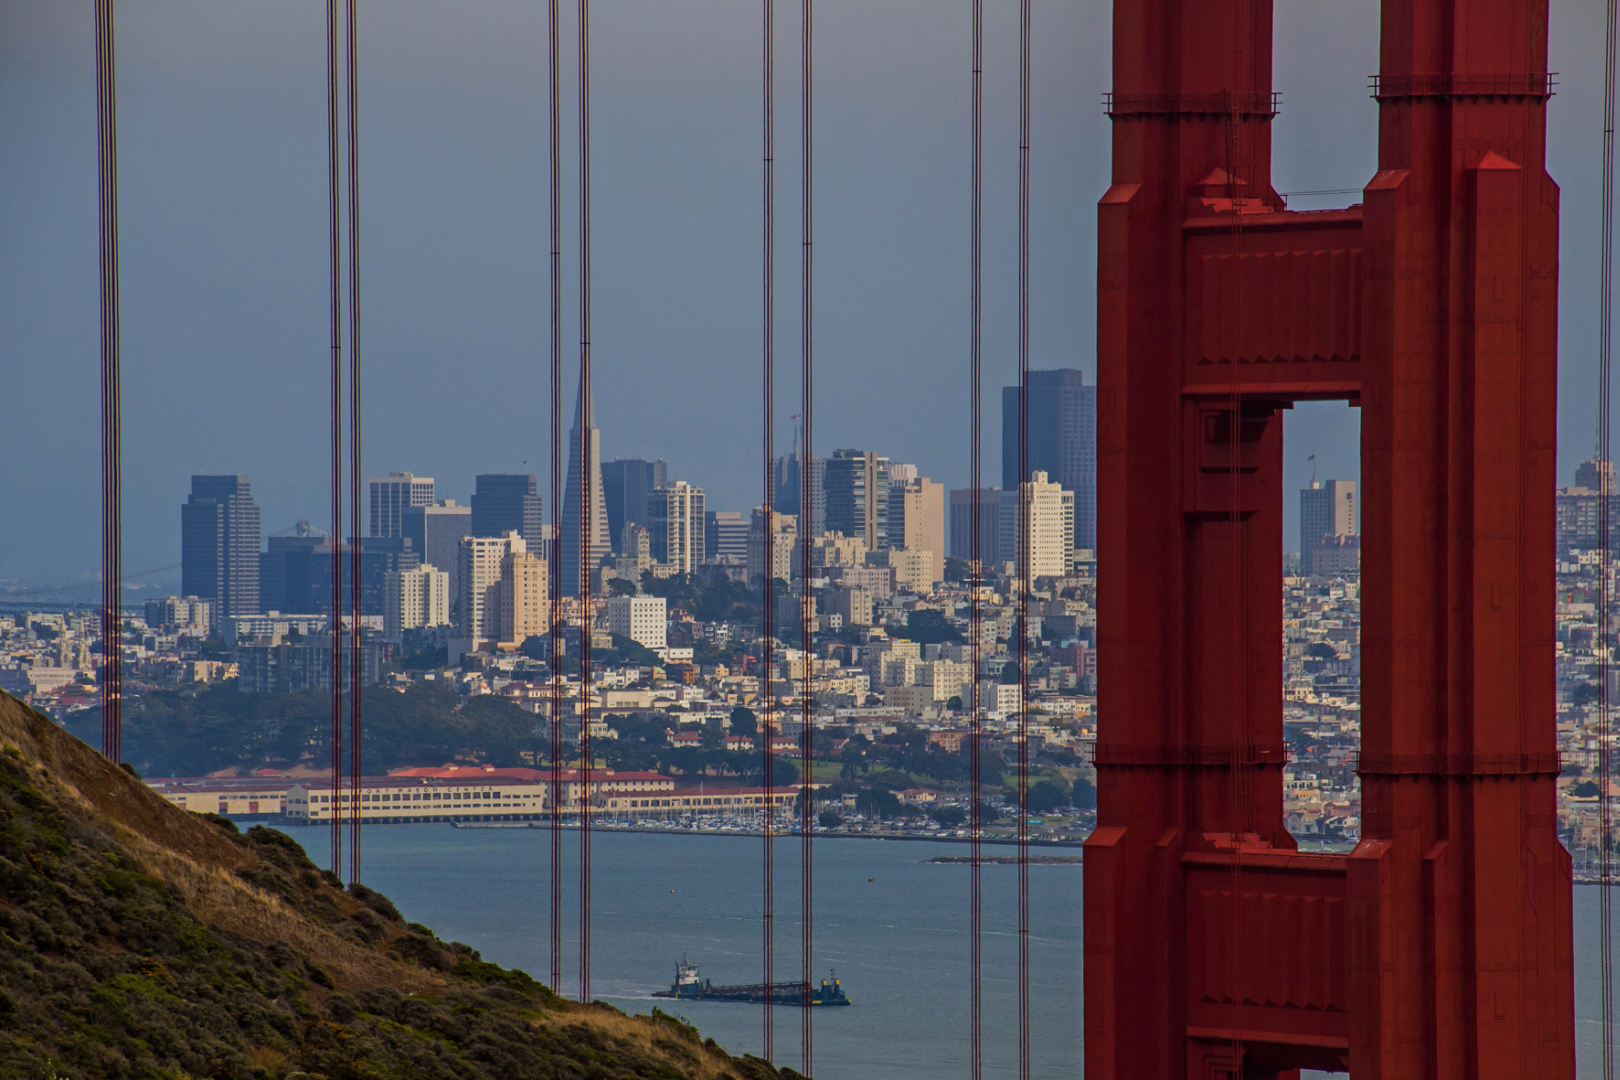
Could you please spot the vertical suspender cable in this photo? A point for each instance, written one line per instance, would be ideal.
(587, 549)
(768, 429)
(1026, 574)
(806, 498)
(335, 285)
(975, 563)
(356, 668)
(1605, 504)
(768, 628)
(555, 537)
(112, 527)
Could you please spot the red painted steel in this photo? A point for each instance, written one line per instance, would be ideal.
(1442, 945)
(112, 440)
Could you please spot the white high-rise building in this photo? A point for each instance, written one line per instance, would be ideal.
(1051, 527)
(391, 494)
(675, 526)
(413, 599)
(639, 618)
(482, 564)
(568, 539)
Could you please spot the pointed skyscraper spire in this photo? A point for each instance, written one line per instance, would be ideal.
(568, 571)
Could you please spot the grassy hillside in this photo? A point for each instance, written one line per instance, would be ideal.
(139, 940)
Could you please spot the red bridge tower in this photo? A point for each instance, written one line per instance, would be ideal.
(1441, 947)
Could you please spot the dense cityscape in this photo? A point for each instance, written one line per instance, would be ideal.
(457, 602)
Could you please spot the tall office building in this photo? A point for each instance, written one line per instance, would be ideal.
(789, 481)
(857, 485)
(435, 532)
(296, 573)
(1579, 506)
(1062, 441)
(284, 569)
(989, 524)
(675, 526)
(508, 502)
(725, 536)
(784, 555)
(626, 483)
(569, 542)
(1596, 476)
(917, 519)
(413, 599)
(1051, 527)
(1327, 512)
(483, 562)
(524, 592)
(219, 545)
(391, 494)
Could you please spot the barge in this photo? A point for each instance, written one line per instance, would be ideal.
(690, 986)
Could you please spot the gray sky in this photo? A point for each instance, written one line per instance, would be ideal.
(222, 154)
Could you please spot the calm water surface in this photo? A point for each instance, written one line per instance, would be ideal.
(893, 926)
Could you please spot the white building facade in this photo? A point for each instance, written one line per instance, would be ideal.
(1051, 527)
(482, 560)
(642, 619)
(675, 526)
(413, 599)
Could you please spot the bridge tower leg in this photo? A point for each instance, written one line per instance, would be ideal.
(1442, 945)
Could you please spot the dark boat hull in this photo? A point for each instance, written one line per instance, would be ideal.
(779, 994)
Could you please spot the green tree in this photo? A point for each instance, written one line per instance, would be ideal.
(783, 772)
(634, 652)
(1084, 795)
(1046, 796)
(877, 802)
(829, 819)
(744, 723)
(930, 627)
(949, 816)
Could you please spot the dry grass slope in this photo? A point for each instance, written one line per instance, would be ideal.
(139, 940)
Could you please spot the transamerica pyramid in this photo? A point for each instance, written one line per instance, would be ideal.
(568, 582)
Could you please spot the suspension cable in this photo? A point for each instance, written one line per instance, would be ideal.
(806, 500)
(335, 286)
(554, 537)
(975, 565)
(1026, 491)
(356, 667)
(587, 549)
(768, 626)
(1605, 499)
(112, 513)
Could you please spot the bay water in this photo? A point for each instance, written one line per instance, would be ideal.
(891, 924)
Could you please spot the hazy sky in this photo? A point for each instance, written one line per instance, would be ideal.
(222, 114)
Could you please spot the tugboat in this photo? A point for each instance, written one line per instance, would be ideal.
(689, 986)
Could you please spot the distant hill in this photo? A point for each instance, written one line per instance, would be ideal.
(140, 940)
